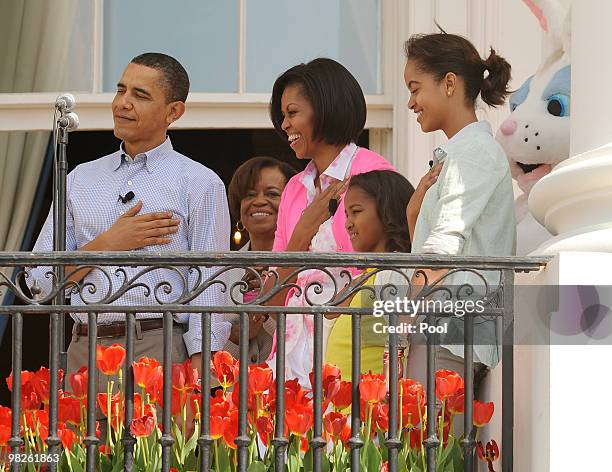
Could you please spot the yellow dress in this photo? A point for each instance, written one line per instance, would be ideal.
(339, 342)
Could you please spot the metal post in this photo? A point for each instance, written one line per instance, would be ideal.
(355, 442)
(15, 441)
(59, 232)
(508, 372)
(243, 440)
(318, 443)
(91, 441)
(432, 442)
(128, 440)
(468, 367)
(205, 440)
(167, 440)
(393, 443)
(280, 441)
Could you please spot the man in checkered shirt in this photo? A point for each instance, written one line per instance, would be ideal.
(177, 205)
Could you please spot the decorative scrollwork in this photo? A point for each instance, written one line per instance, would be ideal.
(169, 284)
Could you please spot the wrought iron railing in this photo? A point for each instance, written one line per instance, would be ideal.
(120, 281)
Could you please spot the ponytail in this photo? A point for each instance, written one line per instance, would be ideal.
(494, 88)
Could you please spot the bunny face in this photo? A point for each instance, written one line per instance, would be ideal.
(536, 135)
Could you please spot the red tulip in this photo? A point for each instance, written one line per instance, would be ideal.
(179, 400)
(78, 383)
(415, 438)
(26, 377)
(330, 374)
(384, 467)
(482, 413)
(38, 422)
(372, 387)
(294, 394)
(184, 377)
(265, 428)
(41, 381)
(230, 429)
(30, 401)
(380, 417)
(155, 385)
(490, 453)
(109, 358)
(69, 409)
(219, 406)
(146, 371)
(226, 368)
(410, 414)
(116, 413)
(448, 383)
(260, 378)
(344, 396)
(103, 403)
(345, 435)
(455, 403)
(6, 416)
(143, 426)
(411, 387)
(67, 437)
(217, 426)
(334, 423)
(5, 434)
(299, 419)
(235, 397)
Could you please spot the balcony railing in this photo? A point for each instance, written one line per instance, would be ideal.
(123, 273)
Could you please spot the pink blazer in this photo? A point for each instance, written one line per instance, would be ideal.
(294, 200)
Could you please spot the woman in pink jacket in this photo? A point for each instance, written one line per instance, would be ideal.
(320, 109)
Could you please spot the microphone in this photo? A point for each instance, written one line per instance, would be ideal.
(128, 197)
(70, 121)
(65, 102)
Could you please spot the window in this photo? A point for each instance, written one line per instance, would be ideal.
(202, 35)
(283, 33)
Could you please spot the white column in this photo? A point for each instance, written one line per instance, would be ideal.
(575, 200)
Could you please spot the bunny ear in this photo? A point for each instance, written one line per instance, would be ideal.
(538, 13)
(553, 18)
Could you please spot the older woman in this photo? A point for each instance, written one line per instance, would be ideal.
(254, 195)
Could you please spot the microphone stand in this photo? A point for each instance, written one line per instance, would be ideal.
(59, 241)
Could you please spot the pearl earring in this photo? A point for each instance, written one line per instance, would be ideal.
(448, 93)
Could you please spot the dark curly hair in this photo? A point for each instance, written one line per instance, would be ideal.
(391, 191)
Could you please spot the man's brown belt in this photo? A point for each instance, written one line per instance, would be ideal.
(116, 330)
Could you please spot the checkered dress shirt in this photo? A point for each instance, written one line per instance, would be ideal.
(163, 180)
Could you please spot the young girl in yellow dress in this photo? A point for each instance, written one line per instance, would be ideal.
(375, 206)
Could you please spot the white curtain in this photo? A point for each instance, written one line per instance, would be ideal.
(34, 44)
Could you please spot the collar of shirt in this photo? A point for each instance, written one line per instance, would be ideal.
(337, 170)
(464, 133)
(152, 158)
